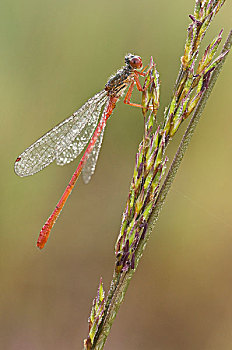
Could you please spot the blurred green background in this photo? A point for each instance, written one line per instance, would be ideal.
(54, 56)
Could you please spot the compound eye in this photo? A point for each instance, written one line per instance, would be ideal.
(136, 62)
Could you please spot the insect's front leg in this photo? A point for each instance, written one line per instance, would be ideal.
(127, 99)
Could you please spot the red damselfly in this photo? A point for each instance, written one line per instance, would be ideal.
(66, 140)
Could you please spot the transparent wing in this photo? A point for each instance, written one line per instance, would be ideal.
(90, 163)
(81, 140)
(65, 141)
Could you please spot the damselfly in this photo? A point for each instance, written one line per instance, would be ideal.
(66, 140)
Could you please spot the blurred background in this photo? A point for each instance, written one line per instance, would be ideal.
(54, 56)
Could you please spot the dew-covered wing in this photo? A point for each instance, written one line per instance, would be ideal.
(77, 145)
(91, 161)
(65, 141)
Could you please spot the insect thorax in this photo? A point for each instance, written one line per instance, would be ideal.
(118, 82)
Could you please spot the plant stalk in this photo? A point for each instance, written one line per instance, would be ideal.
(121, 281)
